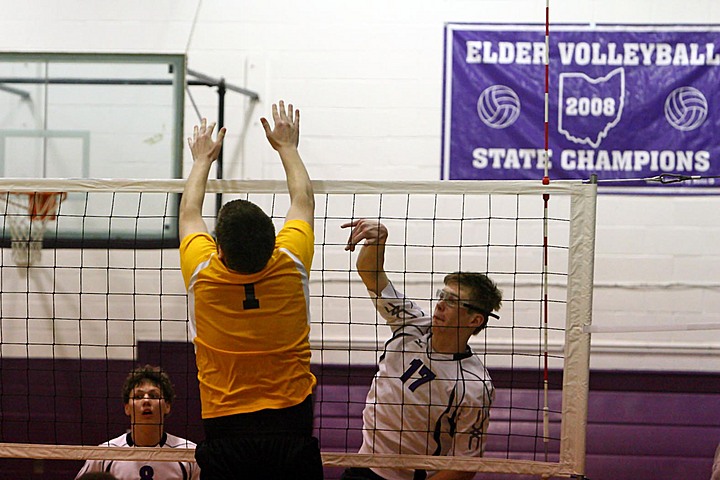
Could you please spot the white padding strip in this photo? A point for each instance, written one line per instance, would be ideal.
(457, 187)
(650, 328)
(72, 452)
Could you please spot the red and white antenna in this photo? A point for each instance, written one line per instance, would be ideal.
(546, 199)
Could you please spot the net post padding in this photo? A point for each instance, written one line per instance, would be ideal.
(576, 376)
(27, 214)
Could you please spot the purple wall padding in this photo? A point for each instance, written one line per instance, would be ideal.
(641, 425)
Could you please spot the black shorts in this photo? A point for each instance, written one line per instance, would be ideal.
(268, 457)
(264, 445)
(357, 473)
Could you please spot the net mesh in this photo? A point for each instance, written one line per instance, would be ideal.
(74, 322)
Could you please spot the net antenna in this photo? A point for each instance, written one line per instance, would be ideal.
(546, 199)
(28, 214)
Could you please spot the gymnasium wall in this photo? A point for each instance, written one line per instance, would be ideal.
(368, 78)
(649, 426)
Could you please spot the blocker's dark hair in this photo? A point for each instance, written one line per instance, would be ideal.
(246, 236)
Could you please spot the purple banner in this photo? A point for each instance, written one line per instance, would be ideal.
(625, 102)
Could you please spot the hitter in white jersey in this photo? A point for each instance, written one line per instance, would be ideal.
(147, 395)
(431, 394)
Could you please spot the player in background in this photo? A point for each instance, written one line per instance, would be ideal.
(147, 395)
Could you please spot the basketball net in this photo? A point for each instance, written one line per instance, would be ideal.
(27, 214)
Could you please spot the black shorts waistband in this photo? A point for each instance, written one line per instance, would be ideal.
(295, 420)
(364, 473)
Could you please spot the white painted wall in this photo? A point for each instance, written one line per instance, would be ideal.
(367, 77)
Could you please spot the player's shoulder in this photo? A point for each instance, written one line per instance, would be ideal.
(173, 441)
(119, 441)
(297, 224)
(294, 230)
(476, 376)
(196, 240)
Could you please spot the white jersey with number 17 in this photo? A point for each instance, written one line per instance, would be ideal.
(422, 402)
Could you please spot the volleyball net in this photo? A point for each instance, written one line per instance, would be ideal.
(105, 293)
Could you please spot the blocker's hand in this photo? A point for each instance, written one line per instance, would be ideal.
(202, 146)
(286, 132)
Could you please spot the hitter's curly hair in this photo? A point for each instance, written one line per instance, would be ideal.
(152, 374)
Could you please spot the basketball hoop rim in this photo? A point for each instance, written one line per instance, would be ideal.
(39, 205)
(27, 215)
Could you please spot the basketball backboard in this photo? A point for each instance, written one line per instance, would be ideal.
(93, 116)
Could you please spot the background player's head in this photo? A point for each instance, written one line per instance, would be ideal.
(245, 236)
(148, 395)
(472, 297)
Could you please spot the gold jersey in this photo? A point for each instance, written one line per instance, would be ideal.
(250, 331)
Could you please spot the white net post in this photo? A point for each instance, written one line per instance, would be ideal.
(576, 379)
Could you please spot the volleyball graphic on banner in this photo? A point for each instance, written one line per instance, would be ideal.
(686, 108)
(498, 106)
